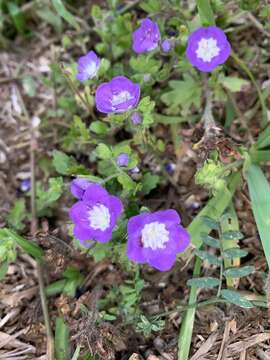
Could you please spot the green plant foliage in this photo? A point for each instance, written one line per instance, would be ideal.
(47, 197)
(17, 215)
(259, 190)
(65, 14)
(205, 12)
(149, 326)
(204, 282)
(235, 298)
(61, 340)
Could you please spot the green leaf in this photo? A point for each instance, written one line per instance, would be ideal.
(61, 340)
(235, 298)
(205, 12)
(62, 162)
(127, 183)
(184, 93)
(232, 235)
(234, 253)
(204, 255)
(17, 215)
(234, 84)
(204, 282)
(3, 269)
(76, 353)
(103, 152)
(29, 85)
(259, 191)
(17, 16)
(210, 241)
(214, 209)
(50, 18)
(239, 272)
(149, 182)
(56, 287)
(46, 198)
(211, 223)
(65, 14)
(29, 247)
(99, 127)
(151, 6)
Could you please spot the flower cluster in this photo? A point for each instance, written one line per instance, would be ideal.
(153, 238)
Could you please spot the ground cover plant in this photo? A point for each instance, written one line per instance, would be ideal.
(135, 200)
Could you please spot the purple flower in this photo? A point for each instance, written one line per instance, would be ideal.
(25, 185)
(88, 66)
(146, 37)
(134, 170)
(122, 159)
(96, 214)
(78, 187)
(117, 96)
(166, 45)
(136, 118)
(156, 238)
(207, 48)
(170, 167)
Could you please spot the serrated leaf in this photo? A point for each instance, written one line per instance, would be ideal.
(65, 14)
(234, 253)
(61, 340)
(235, 298)
(234, 84)
(232, 235)
(205, 12)
(204, 282)
(204, 255)
(210, 241)
(239, 272)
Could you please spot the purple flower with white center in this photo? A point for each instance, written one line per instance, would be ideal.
(78, 187)
(170, 167)
(156, 238)
(117, 96)
(136, 118)
(96, 214)
(166, 45)
(88, 66)
(122, 159)
(146, 37)
(207, 48)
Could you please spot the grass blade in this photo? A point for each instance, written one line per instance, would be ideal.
(61, 340)
(186, 331)
(259, 190)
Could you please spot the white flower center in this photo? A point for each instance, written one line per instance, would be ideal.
(91, 69)
(99, 217)
(120, 98)
(154, 235)
(207, 49)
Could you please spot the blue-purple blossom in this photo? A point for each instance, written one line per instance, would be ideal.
(146, 37)
(95, 215)
(134, 170)
(207, 48)
(122, 159)
(166, 45)
(25, 185)
(136, 118)
(156, 238)
(78, 187)
(117, 96)
(170, 167)
(88, 66)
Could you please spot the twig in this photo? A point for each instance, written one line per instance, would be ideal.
(34, 227)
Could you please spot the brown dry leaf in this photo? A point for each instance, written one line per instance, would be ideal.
(241, 346)
(14, 299)
(207, 345)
